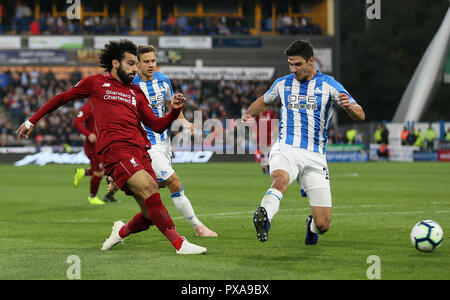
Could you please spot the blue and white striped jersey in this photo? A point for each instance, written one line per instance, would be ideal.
(158, 91)
(306, 109)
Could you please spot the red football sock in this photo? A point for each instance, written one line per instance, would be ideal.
(137, 224)
(95, 183)
(160, 217)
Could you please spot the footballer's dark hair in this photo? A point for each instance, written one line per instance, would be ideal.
(115, 50)
(145, 49)
(301, 48)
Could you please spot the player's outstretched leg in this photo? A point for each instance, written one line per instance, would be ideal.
(270, 204)
(319, 222)
(184, 206)
(143, 186)
(262, 224)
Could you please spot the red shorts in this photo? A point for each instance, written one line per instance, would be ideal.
(96, 160)
(123, 161)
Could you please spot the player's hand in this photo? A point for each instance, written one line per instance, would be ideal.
(25, 130)
(92, 138)
(178, 101)
(112, 186)
(344, 101)
(248, 120)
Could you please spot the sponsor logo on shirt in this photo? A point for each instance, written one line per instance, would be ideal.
(302, 102)
(114, 95)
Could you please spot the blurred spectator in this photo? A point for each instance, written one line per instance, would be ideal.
(419, 138)
(447, 135)
(34, 28)
(430, 135)
(385, 135)
(286, 24)
(383, 152)
(404, 136)
(412, 137)
(377, 134)
(351, 135)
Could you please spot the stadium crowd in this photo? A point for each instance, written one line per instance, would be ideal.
(23, 22)
(27, 91)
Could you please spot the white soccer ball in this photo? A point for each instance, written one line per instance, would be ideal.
(427, 236)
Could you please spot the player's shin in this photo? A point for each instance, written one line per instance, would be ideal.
(95, 183)
(137, 224)
(183, 205)
(160, 218)
(271, 202)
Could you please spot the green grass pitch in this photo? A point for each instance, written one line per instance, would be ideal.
(44, 220)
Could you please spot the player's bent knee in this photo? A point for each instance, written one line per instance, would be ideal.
(322, 223)
(323, 226)
(280, 182)
(173, 183)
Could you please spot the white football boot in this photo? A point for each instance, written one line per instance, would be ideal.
(114, 238)
(189, 248)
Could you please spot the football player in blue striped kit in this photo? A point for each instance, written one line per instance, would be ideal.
(307, 101)
(158, 90)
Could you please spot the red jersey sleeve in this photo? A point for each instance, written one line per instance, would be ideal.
(80, 120)
(156, 124)
(81, 90)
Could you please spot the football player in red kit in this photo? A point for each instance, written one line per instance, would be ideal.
(119, 107)
(84, 123)
(264, 139)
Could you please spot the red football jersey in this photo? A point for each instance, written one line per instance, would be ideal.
(84, 123)
(118, 110)
(265, 120)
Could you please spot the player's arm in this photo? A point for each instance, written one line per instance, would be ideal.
(79, 91)
(78, 124)
(159, 125)
(255, 109)
(353, 109)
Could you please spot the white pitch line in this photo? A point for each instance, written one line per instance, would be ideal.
(237, 213)
(231, 214)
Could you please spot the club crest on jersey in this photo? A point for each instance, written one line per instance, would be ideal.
(302, 102)
(133, 162)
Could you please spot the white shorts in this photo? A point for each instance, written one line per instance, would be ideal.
(161, 155)
(309, 168)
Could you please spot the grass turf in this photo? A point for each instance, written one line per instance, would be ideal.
(44, 220)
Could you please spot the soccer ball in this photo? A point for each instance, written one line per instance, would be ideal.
(427, 236)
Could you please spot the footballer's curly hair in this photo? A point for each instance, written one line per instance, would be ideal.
(115, 50)
(301, 48)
